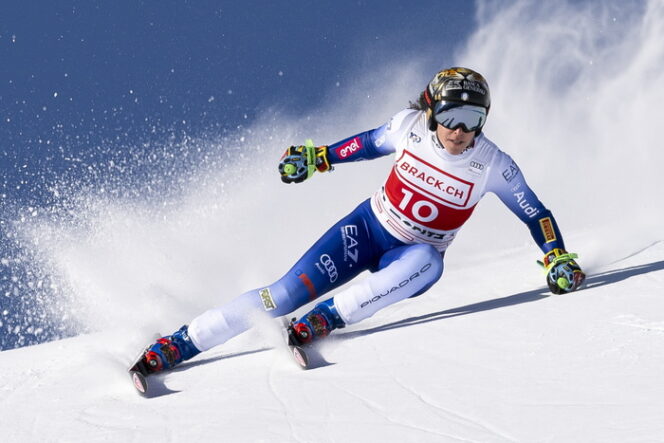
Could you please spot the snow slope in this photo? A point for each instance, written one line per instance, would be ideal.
(470, 361)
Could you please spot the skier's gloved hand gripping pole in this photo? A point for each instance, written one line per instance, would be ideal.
(563, 274)
(300, 162)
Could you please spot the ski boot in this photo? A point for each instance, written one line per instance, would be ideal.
(167, 352)
(316, 324)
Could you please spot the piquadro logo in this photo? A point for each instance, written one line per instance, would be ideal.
(400, 285)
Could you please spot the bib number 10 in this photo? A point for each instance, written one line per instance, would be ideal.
(422, 210)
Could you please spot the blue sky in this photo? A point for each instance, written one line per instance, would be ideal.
(82, 82)
(76, 73)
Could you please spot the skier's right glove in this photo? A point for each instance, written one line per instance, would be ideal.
(300, 162)
(563, 274)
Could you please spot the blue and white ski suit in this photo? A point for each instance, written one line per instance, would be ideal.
(400, 234)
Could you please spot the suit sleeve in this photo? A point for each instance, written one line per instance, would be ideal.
(508, 183)
(374, 143)
(360, 146)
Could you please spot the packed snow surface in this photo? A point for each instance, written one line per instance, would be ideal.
(470, 361)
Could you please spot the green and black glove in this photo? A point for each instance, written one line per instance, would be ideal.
(563, 274)
(300, 162)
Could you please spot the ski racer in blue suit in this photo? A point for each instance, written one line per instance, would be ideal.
(443, 165)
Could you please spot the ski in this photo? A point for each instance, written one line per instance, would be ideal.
(138, 373)
(138, 370)
(296, 351)
(140, 382)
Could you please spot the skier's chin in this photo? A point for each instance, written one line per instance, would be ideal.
(455, 146)
(455, 141)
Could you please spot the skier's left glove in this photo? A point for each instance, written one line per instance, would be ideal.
(300, 162)
(563, 274)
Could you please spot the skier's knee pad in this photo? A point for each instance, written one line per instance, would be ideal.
(434, 258)
(406, 272)
(421, 261)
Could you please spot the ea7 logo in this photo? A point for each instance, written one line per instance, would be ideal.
(349, 236)
(511, 172)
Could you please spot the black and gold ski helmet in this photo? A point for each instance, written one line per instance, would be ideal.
(457, 84)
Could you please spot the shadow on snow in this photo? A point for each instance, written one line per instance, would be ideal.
(158, 388)
(592, 282)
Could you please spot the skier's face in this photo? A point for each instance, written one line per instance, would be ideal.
(455, 141)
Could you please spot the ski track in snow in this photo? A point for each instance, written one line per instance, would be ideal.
(454, 417)
(283, 403)
(636, 322)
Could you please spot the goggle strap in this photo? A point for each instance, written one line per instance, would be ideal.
(427, 98)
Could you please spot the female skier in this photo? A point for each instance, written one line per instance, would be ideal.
(443, 166)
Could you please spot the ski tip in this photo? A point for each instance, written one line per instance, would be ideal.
(300, 357)
(139, 381)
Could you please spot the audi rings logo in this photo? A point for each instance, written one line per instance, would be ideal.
(330, 267)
